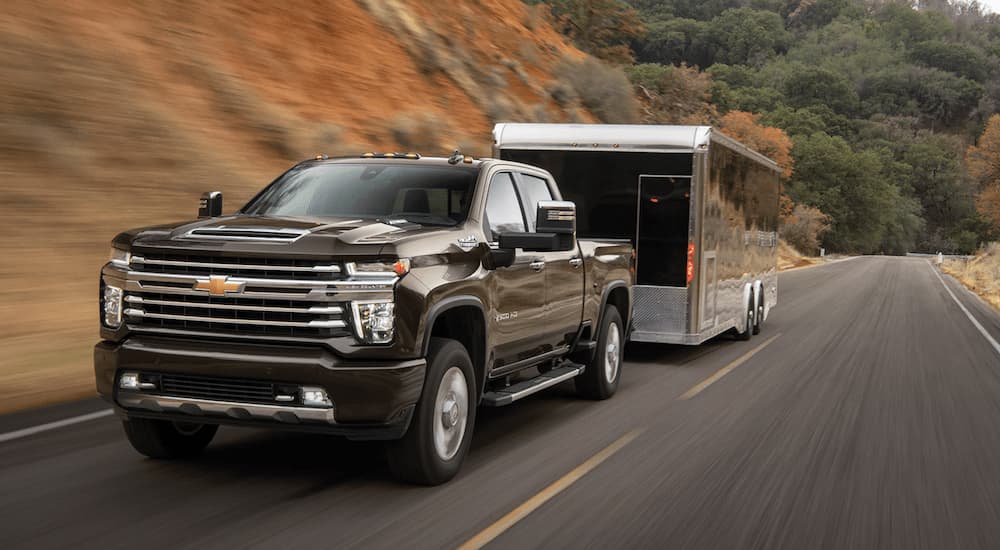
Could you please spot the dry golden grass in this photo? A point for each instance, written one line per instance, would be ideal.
(981, 274)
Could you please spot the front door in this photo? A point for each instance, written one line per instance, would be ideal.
(563, 270)
(518, 305)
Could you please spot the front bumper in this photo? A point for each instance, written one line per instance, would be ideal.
(371, 399)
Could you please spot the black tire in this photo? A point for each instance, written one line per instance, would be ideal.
(600, 379)
(166, 439)
(745, 335)
(416, 457)
(758, 319)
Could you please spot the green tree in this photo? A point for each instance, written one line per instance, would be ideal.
(747, 36)
(956, 58)
(806, 86)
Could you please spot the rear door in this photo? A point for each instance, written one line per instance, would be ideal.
(518, 309)
(563, 270)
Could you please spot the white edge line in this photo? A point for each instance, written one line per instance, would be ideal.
(982, 330)
(18, 434)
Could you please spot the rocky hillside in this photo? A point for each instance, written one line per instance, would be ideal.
(115, 114)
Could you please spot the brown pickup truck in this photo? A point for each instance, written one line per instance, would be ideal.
(381, 297)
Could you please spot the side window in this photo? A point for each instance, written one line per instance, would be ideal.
(503, 211)
(533, 189)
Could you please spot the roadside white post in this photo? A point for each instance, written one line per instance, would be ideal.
(940, 258)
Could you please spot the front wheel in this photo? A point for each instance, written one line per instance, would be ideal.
(166, 439)
(440, 433)
(600, 379)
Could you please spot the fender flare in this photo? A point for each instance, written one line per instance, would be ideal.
(447, 304)
(617, 283)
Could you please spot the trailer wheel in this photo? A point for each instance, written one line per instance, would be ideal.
(759, 317)
(166, 439)
(749, 331)
(440, 433)
(600, 379)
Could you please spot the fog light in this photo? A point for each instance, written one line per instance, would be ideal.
(315, 397)
(129, 381)
(112, 302)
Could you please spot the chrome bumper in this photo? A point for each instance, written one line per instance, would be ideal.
(225, 409)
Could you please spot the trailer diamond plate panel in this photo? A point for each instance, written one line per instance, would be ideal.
(661, 309)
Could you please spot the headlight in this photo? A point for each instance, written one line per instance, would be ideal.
(398, 268)
(374, 322)
(120, 258)
(111, 303)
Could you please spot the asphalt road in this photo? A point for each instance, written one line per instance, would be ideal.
(868, 421)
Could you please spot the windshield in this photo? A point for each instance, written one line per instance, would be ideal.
(428, 195)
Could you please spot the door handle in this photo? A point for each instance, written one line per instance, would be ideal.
(575, 262)
(537, 265)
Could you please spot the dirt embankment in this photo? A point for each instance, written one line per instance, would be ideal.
(790, 258)
(981, 273)
(118, 114)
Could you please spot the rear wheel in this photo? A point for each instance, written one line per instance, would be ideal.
(166, 439)
(749, 330)
(440, 433)
(600, 379)
(759, 317)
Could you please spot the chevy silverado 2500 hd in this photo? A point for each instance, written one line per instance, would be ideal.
(382, 297)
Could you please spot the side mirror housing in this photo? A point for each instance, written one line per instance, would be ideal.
(210, 205)
(557, 218)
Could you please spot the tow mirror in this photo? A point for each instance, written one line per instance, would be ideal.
(210, 205)
(557, 218)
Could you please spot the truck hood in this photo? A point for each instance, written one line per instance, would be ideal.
(241, 234)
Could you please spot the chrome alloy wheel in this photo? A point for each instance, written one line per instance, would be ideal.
(450, 413)
(612, 353)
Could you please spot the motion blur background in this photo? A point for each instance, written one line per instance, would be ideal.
(118, 114)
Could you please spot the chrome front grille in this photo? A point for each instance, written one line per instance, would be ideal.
(249, 297)
(266, 268)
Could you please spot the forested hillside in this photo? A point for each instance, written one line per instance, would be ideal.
(874, 108)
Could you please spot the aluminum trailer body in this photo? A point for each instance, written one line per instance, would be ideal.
(700, 208)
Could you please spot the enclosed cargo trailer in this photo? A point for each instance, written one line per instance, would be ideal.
(700, 208)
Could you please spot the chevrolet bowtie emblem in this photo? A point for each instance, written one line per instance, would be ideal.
(219, 285)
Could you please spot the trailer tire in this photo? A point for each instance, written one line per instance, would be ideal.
(429, 453)
(600, 379)
(749, 331)
(166, 439)
(758, 320)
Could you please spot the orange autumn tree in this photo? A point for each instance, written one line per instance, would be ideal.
(983, 160)
(770, 142)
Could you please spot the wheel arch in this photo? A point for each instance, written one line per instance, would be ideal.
(461, 318)
(619, 294)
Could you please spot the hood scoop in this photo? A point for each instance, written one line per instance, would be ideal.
(245, 233)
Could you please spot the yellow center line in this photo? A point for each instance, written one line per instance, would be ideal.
(517, 514)
(726, 369)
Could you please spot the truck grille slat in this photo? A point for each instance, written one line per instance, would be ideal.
(217, 388)
(263, 296)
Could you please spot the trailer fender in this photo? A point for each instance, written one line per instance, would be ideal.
(758, 292)
(748, 295)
